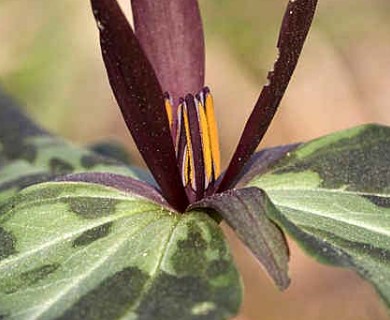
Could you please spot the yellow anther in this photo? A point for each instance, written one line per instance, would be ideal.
(213, 135)
(191, 163)
(202, 123)
(204, 130)
(186, 167)
(169, 110)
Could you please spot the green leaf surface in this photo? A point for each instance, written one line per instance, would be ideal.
(30, 155)
(245, 210)
(84, 251)
(333, 196)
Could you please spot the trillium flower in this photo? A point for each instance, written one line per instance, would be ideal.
(84, 235)
(157, 75)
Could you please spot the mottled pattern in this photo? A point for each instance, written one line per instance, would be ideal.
(92, 160)
(379, 201)
(359, 160)
(177, 298)
(173, 298)
(333, 198)
(111, 299)
(341, 246)
(90, 207)
(112, 150)
(15, 149)
(319, 249)
(15, 127)
(70, 249)
(25, 181)
(381, 255)
(7, 244)
(92, 235)
(59, 166)
(31, 277)
(252, 225)
(87, 251)
(369, 261)
(21, 125)
(23, 141)
(32, 195)
(194, 247)
(217, 267)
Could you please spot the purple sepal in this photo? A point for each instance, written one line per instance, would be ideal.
(295, 27)
(140, 98)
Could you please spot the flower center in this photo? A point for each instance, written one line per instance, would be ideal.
(195, 134)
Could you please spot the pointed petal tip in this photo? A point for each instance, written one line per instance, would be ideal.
(171, 34)
(295, 26)
(140, 98)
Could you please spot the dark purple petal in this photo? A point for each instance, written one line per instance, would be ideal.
(245, 210)
(295, 27)
(197, 146)
(122, 183)
(171, 34)
(140, 98)
(263, 161)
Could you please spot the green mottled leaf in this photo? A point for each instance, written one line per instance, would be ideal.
(333, 196)
(29, 155)
(73, 250)
(245, 210)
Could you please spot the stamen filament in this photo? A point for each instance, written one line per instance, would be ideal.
(213, 133)
(207, 155)
(196, 142)
(190, 173)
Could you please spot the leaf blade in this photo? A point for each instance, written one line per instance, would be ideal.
(29, 154)
(102, 254)
(333, 196)
(246, 211)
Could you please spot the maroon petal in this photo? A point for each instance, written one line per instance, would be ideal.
(140, 98)
(246, 210)
(122, 183)
(171, 34)
(196, 146)
(295, 27)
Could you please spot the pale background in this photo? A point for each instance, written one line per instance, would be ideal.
(50, 60)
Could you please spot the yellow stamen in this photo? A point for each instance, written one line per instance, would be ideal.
(190, 156)
(204, 130)
(169, 110)
(210, 153)
(213, 135)
(186, 167)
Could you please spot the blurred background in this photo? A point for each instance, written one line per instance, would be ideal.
(50, 61)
